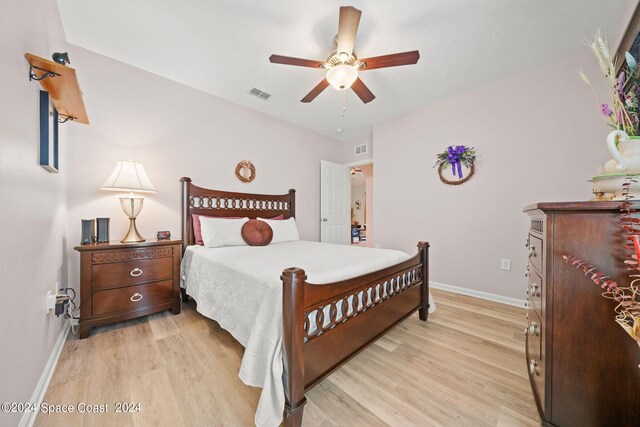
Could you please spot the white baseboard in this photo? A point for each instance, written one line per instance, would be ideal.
(29, 418)
(478, 294)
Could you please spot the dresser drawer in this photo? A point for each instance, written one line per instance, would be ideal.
(535, 291)
(127, 273)
(535, 252)
(535, 364)
(131, 298)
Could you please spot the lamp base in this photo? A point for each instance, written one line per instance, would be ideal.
(133, 235)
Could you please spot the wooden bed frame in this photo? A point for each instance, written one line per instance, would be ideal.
(384, 298)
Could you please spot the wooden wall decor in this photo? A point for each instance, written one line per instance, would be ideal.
(246, 171)
(62, 85)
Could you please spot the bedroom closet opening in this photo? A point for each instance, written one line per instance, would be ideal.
(362, 205)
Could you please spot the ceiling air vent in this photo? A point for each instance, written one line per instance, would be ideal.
(361, 149)
(260, 94)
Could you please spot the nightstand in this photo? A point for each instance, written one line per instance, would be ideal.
(121, 281)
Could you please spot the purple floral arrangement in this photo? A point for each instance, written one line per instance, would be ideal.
(456, 156)
(622, 110)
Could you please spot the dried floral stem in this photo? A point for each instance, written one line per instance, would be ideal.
(586, 81)
(622, 111)
(628, 297)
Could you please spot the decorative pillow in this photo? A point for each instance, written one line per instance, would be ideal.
(257, 233)
(277, 218)
(197, 229)
(218, 232)
(283, 230)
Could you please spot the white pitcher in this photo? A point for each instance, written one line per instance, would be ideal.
(625, 151)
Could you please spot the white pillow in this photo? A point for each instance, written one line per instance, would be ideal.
(284, 230)
(218, 232)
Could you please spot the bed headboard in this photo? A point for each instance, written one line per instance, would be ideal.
(203, 201)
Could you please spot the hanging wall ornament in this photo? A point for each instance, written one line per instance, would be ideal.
(246, 171)
(456, 157)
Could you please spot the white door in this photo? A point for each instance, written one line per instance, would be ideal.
(335, 212)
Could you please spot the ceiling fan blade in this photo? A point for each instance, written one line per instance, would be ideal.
(393, 60)
(347, 28)
(315, 91)
(362, 91)
(288, 60)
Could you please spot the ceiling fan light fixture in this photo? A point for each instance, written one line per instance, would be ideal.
(342, 76)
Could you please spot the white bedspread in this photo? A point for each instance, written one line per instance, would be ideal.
(240, 288)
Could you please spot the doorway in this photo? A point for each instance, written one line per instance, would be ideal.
(362, 205)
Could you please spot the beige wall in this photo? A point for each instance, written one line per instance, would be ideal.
(33, 211)
(348, 150)
(539, 137)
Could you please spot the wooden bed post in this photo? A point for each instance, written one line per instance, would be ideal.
(423, 248)
(292, 202)
(185, 224)
(293, 280)
(186, 218)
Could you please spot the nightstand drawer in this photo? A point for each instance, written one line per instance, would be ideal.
(121, 274)
(131, 298)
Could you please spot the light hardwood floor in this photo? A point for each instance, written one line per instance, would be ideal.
(464, 367)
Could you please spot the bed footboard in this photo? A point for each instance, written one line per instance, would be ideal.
(326, 325)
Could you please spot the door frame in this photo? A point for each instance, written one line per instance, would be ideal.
(370, 225)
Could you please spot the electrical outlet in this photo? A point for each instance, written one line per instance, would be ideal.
(51, 301)
(505, 264)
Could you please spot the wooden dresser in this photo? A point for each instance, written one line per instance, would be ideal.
(582, 365)
(122, 281)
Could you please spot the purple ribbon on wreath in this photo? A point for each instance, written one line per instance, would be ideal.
(454, 159)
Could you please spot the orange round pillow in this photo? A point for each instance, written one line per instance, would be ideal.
(257, 233)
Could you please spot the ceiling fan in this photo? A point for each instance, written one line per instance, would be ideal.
(343, 65)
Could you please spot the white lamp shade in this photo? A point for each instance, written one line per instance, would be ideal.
(342, 76)
(129, 176)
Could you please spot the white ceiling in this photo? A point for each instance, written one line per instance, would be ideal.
(222, 47)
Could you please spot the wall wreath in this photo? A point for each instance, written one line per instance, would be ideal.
(246, 171)
(456, 157)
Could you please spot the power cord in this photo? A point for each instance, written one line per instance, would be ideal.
(71, 307)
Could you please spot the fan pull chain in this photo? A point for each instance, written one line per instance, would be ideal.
(344, 104)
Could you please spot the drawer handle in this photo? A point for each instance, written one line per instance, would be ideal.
(535, 290)
(533, 329)
(136, 272)
(533, 367)
(136, 297)
(532, 251)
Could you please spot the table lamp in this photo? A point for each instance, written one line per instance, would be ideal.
(130, 176)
